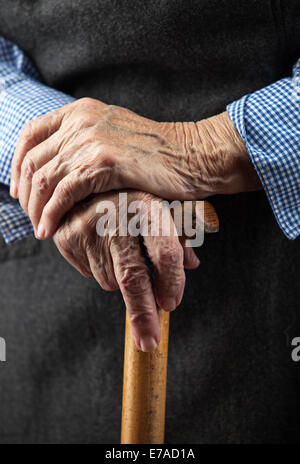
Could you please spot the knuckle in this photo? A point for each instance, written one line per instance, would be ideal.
(134, 280)
(85, 173)
(112, 111)
(170, 253)
(106, 160)
(141, 319)
(62, 201)
(64, 192)
(86, 101)
(62, 240)
(28, 167)
(27, 130)
(83, 228)
(40, 182)
(58, 162)
(102, 125)
(107, 286)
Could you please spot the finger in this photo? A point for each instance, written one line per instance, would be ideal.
(72, 188)
(135, 284)
(78, 262)
(190, 260)
(101, 265)
(33, 133)
(166, 255)
(38, 157)
(35, 192)
(46, 164)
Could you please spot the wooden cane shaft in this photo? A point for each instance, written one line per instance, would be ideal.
(144, 389)
(145, 374)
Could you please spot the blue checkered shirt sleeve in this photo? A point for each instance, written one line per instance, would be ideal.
(22, 97)
(268, 121)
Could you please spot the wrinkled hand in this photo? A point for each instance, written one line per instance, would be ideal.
(89, 147)
(117, 262)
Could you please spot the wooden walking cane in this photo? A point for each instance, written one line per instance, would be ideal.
(145, 375)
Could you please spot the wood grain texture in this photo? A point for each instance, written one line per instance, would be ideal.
(144, 389)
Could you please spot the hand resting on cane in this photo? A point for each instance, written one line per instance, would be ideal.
(89, 147)
(117, 262)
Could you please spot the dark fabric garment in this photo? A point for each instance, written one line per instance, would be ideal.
(231, 378)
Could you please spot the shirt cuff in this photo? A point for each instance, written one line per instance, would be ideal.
(21, 100)
(14, 223)
(24, 99)
(268, 122)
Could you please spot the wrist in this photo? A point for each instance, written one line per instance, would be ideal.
(223, 159)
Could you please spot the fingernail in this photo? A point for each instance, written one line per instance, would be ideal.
(13, 189)
(41, 232)
(148, 343)
(169, 304)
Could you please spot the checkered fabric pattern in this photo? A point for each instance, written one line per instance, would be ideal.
(269, 123)
(22, 98)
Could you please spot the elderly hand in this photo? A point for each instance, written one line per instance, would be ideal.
(89, 147)
(117, 262)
